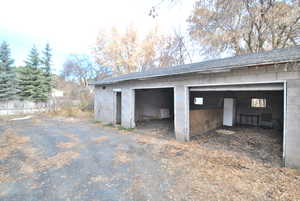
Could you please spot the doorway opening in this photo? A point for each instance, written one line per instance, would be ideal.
(244, 121)
(154, 111)
(118, 108)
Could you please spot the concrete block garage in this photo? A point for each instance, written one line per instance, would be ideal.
(259, 90)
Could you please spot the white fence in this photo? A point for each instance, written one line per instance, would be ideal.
(16, 107)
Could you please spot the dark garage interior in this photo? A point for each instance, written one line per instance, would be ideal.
(249, 122)
(154, 110)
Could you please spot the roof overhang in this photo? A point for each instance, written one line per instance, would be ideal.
(273, 57)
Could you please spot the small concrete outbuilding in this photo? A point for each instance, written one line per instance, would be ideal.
(260, 89)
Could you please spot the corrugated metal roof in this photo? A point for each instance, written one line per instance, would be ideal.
(260, 58)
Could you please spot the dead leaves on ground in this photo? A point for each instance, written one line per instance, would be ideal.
(74, 140)
(203, 173)
(99, 178)
(33, 161)
(122, 157)
(57, 161)
(76, 143)
(11, 143)
(99, 139)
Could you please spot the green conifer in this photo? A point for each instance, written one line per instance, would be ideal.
(32, 78)
(46, 66)
(7, 74)
(25, 83)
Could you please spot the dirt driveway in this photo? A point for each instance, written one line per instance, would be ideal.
(53, 159)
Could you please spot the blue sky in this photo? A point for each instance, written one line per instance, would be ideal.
(71, 26)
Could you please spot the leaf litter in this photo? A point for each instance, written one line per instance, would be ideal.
(32, 162)
(206, 173)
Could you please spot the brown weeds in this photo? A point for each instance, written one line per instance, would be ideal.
(57, 161)
(99, 139)
(11, 142)
(71, 112)
(122, 157)
(202, 173)
(74, 141)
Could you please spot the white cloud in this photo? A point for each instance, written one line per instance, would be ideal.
(72, 25)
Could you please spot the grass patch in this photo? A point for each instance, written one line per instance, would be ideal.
(96, 122)
(71, 112)
(125, 129)
(109, 125)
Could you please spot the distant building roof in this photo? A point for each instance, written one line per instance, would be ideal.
(260, 58)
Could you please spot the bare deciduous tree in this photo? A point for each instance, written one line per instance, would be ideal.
(81, 69)
(243, 26)
(128, 52)
(153, 12)
(177, 51)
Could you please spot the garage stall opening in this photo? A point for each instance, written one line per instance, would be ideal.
(252, 112)
(154, 110)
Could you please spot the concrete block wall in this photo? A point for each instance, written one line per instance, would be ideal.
(128, 102)
(104, 110)
(181, 118)
(292, 135)
(104, 104)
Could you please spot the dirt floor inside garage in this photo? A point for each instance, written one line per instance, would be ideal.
(261, 145)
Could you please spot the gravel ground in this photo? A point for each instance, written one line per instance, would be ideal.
(53, 159)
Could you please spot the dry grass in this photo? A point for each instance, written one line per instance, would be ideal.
(262, 145)
(36, 120)
(38, 164)
(27, 168)
(99, 139)
(75, 112)
(99, 178)
(75, 142)
(202, 173)
(137, 189)
(57, 161)
(11, 142)
(67, 145)
(122, 157)
(4, 174)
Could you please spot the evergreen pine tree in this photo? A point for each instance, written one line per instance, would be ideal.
(25, 83)
(46, 66)
(7, 74)
(4, 87)
(33, 59)
(32, 78)
(5, 61)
